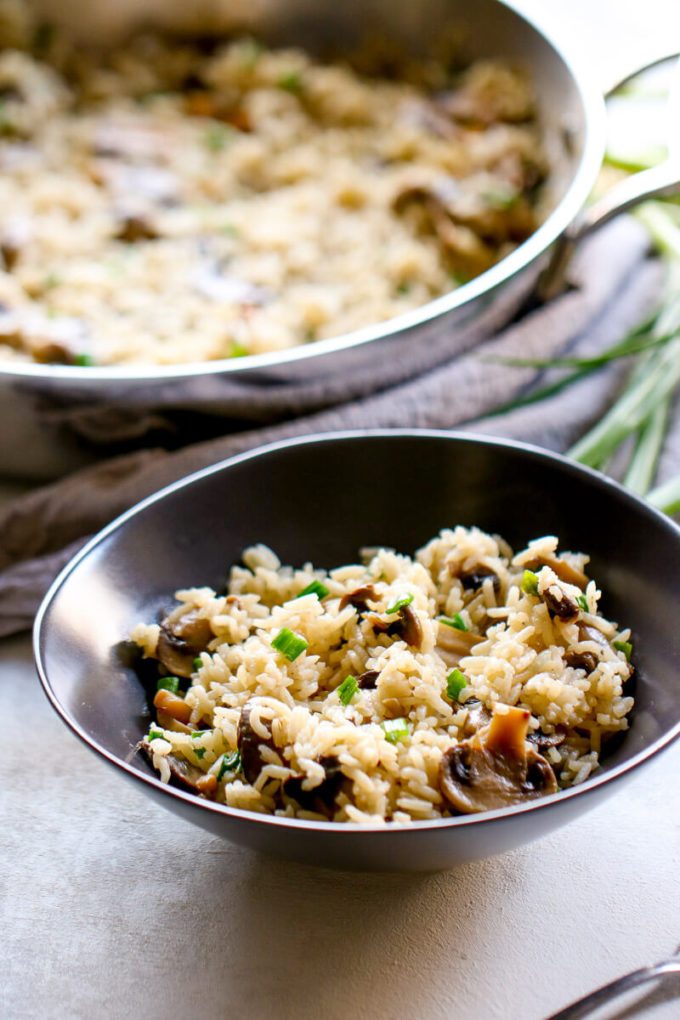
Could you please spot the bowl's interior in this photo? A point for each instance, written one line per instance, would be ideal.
(321, 500)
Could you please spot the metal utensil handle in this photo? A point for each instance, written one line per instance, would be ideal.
(614, 989)
(656, 182)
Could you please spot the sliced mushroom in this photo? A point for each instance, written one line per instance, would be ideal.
(406, 627)
(180, 642)
(321, 798)
(565, 570)
(184, 775)
(559, 602)
(171, 705)
(135, 227)
(474, 577)
(359, 598)
(477, 716)
(496, 767)
(586, 660)
(366, 681)
(249, 743)
(544, 741)
(453, 644)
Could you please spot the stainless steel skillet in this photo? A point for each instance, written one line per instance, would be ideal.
(49, 409)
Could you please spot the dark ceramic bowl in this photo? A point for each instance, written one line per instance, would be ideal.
(320, 499)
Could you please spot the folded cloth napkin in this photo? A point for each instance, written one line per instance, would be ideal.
(613, 287)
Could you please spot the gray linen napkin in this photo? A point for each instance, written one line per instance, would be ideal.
(613, 287)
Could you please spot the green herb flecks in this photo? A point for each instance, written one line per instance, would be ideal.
(289, 644)
(529, 583)
(395, 730)
(237, 350)
(401, 603)
(315, 588)
(217, 137)
(84, 360)
(168, 683)
(156, 734)
(230, 763)
(456, 621)
(582, 602)
(291, 81)
(455, 682)
(347, 689)
(625, 647)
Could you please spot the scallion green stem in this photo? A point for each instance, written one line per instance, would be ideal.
(666, 497)
(642, 466)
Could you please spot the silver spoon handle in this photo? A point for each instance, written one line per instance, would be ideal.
(615, 988)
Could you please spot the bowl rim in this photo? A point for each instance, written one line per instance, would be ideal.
(590, 785)
(565, 212)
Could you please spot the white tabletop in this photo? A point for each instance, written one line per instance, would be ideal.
(112, 907)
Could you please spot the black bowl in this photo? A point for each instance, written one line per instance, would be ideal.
(321, 499)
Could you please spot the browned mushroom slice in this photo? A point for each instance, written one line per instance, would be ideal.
(474, 577)
(586, 660)
(407, 627)
(183, 774)
(496, 768)
(176, 708)
(559, 602)
(249, 744)
(180, 642)
(544, 741)
(477, 716)
(565, 570)
(453, 644)
(359, 598)
(367, 680)
(466, 250)
(136, 228)
(321, 798)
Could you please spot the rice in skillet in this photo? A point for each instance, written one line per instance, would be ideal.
(398, 690)
(166, 205)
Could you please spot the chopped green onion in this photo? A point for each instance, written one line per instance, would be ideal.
(156, 734)
(198, 751)
(291, 81)
(583, 602)
(217, 137)
(168, 683)
(401, 603)
(394, 730)
(625, 647)
(455, 682)
(403, 288)
(347, 690)
(237, 350)
(530, 583)
(456, 621)
(230, 763)
(315, 588)
(84, 360)
(198, 662)
(289, 644)
(199, 733)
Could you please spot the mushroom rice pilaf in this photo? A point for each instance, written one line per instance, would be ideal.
(167, 204)
(459, 680)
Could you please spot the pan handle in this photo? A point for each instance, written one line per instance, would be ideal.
(656, 182)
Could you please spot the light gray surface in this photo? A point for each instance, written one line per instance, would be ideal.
(114, 908)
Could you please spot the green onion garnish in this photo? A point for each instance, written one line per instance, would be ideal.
(394, 730)
(347, 690)
(289, 644)
(84, 360)
(456, 621)
(198, 662)
(230, 763)
(156, 734)
(583, 602)
(455, 682)
(291, 82)
(529, 583)
(199, 733)
(168, 683)
(315, 588)
(217, 137)
(198, 751)
(237, 350)
(625, 647)
(404, 600)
